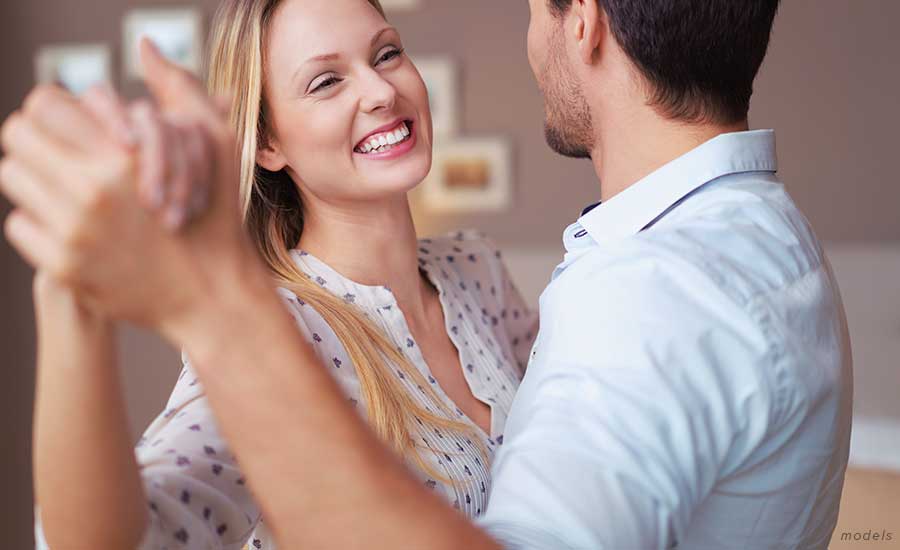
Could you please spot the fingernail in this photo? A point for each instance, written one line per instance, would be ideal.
(157, 196)
(175, 217)
(199, 202)
(128, 136)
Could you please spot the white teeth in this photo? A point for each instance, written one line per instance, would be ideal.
(387, 140)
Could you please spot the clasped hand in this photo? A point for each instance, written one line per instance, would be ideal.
(104, 193)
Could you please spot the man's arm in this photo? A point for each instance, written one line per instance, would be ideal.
(322, 478)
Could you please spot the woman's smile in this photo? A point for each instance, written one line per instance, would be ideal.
(385, 144)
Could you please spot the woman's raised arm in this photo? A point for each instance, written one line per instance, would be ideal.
(87, 485)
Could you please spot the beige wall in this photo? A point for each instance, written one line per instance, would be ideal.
(828, 87)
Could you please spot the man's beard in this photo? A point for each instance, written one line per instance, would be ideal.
(568, 126)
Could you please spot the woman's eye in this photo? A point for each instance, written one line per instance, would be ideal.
(327, 83)
(388, 55)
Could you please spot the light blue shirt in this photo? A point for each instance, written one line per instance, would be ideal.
(691, 384)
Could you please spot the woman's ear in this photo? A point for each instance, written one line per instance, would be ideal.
(269, 156)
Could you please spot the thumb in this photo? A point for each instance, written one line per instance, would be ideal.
(175, 89)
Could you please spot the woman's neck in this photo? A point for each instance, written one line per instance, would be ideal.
(374, 245)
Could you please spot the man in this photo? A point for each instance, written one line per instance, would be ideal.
(691, 384)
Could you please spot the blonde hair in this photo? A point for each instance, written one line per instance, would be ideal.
(272, 214)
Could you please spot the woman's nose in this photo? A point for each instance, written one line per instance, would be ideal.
(376, 93)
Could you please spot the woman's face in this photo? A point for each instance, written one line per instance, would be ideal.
(337, 84)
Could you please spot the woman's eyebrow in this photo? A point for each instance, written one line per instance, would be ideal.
(377, 36)
(334, 56)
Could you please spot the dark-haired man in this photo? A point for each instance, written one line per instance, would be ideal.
(691, 385)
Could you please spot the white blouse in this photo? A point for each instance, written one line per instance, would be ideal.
(195, 490)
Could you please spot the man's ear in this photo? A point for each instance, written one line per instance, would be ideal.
(269, 156)
(589, 27)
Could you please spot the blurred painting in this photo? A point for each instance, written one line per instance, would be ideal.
(178, 32)
(469, 175)
(399, 5)
(440, 76)
(75, 67)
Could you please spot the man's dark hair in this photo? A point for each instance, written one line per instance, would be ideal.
(700, 57)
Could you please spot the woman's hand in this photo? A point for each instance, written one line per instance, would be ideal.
(78, 215)
(173, 180)
(175, 155)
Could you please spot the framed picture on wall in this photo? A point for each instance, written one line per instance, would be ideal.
(441, 76)
(178, 32)
(469, 175)
(76, 67)
(400, 4)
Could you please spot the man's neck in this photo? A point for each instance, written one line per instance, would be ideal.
(638, 143)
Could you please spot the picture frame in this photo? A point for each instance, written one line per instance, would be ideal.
(400, 5)
(441, 76)
(178, 32)
(469, 175)
(76, 67)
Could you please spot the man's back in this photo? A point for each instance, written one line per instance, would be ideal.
(785, 493)
(692, 381)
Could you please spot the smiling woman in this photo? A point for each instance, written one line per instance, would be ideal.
(427, 338)
(336, 127)
(302, 132)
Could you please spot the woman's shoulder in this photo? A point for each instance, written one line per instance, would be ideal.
(470, 254)
(462, 247)
(309, 321)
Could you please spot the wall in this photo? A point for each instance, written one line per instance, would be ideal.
(827, 87)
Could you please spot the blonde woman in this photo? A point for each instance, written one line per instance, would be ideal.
(426, 338)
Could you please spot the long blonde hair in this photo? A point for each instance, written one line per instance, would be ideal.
(272, 214)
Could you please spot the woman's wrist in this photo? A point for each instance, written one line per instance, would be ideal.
(54, 301)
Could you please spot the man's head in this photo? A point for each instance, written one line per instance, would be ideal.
(695, 60)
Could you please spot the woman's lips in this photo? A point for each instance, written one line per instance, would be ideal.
(390, 134)
(391, 151)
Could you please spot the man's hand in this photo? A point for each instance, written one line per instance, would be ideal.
(78, 214)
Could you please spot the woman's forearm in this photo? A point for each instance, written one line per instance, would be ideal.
(322, 478)
(86, 479)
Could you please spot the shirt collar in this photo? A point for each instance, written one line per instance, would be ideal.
(365, 296)
(639, 205)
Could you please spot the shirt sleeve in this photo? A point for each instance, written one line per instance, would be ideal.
(196, 493)
(638, 399)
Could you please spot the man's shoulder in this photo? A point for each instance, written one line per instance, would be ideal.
(743, 241)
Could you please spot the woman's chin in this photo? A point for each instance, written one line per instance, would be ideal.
(398, 177)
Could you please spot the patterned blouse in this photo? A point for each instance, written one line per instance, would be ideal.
(195, 490)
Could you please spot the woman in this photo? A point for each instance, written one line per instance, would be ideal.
(427, 338)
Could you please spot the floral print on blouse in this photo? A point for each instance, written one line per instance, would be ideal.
(196, 493)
